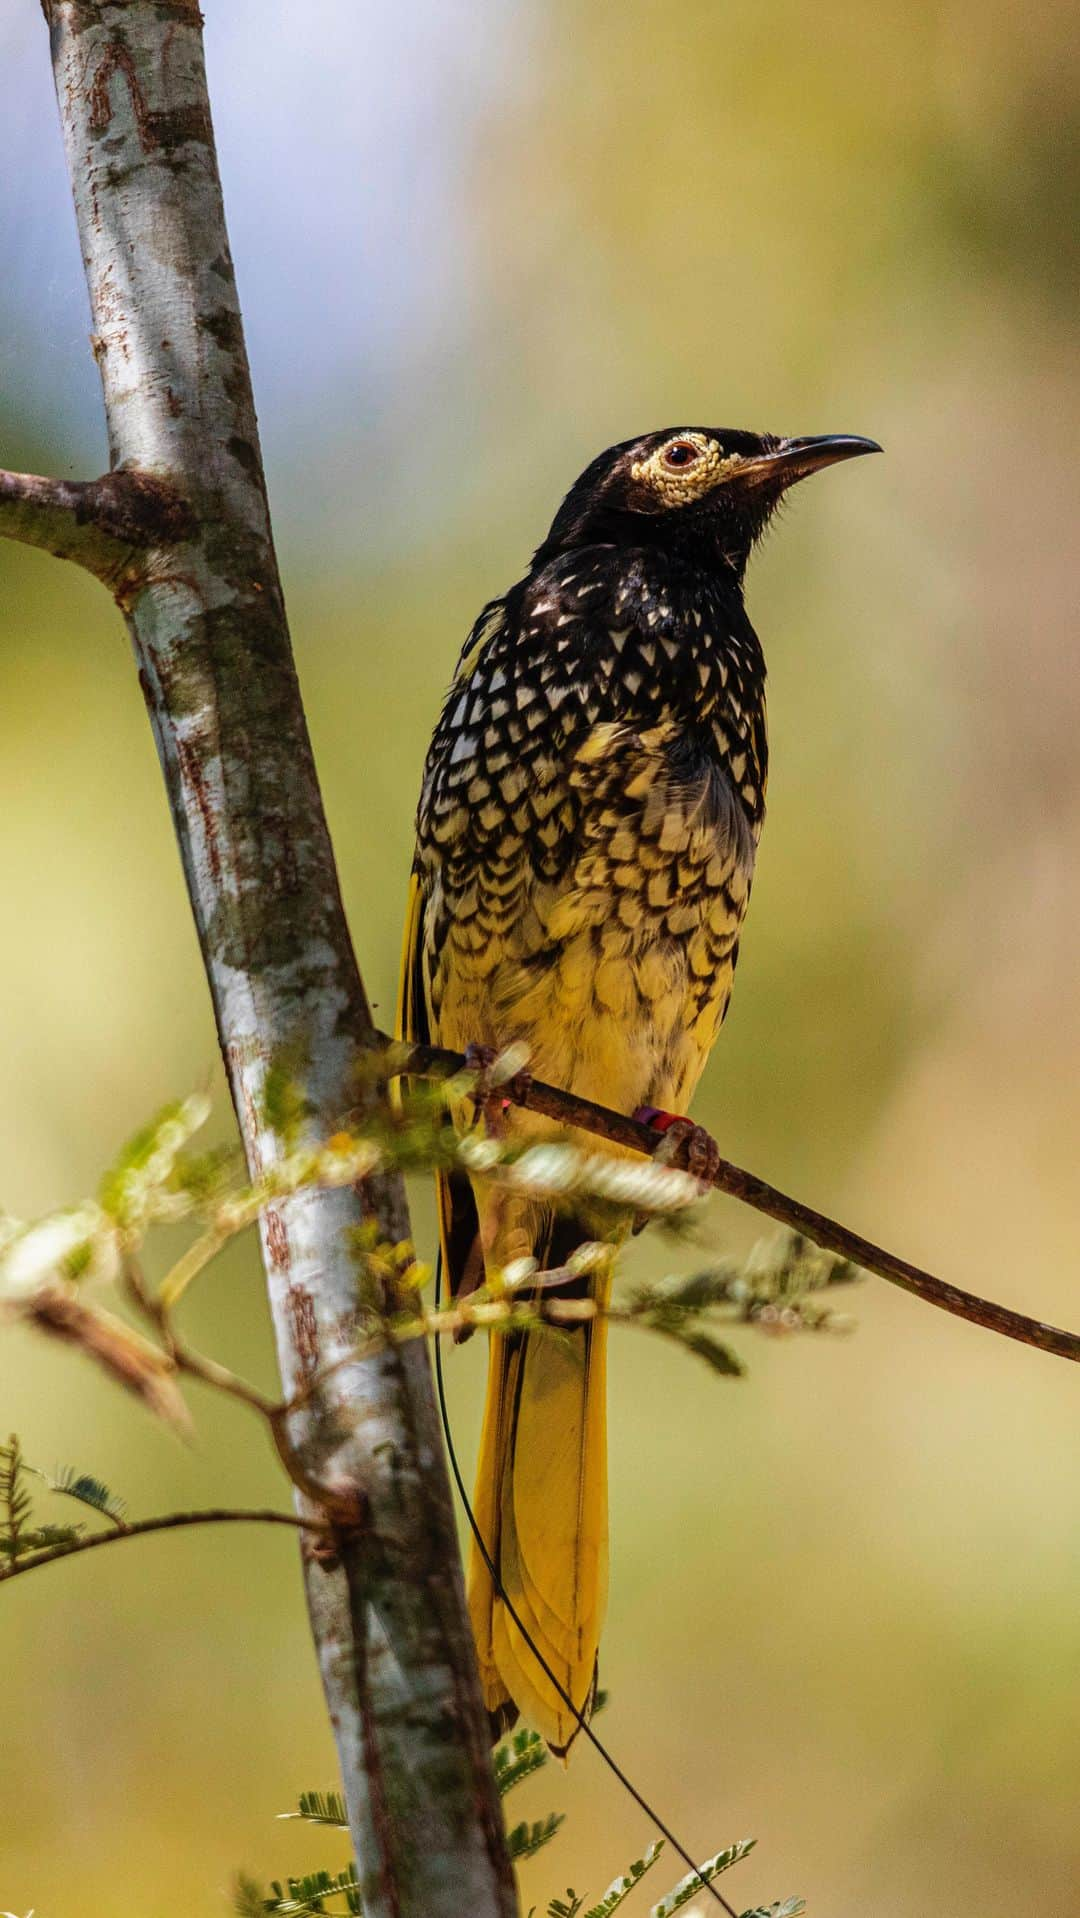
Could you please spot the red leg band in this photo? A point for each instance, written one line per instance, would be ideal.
(657, 1119)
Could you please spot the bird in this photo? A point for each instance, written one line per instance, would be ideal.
(588, 822)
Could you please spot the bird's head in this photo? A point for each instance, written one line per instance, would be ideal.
(704, 491)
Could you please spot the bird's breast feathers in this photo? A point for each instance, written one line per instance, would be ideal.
(588, 822)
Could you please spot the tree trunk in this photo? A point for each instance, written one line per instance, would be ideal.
(180, 531)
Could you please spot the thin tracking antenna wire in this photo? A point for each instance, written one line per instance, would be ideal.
(615, 1768)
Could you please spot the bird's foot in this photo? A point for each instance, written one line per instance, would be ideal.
(682, 1143)
(496, 1088)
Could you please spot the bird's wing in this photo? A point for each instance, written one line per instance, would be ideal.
(411, 1022)
(459, 1225)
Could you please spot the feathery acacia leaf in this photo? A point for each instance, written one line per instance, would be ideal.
(248, 1899)
(786, 1266)
(20, 1537)
(43, 1537)
(320, 1808)
(70, 1483)
(689, 1886)
(69, 1246)
(134, 1189)
(525, 1753)
(616, 1893)
(15, 1503)
(718, 1356)
(526, 1840)
(285, 1105)
(299, 1897)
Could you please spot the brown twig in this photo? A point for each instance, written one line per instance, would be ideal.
(342, 1502)
(183, 1356)
(434, 1062)
(169, 1522)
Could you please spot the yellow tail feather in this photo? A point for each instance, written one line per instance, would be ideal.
(541, 1488)
(541, 1507)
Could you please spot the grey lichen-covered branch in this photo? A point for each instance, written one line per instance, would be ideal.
(180, 531)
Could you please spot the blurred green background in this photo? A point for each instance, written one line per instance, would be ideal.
(476, 242)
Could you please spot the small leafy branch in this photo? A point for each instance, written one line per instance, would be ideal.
(91, 1492)
(299, 1897)
(21, 1537)
(54, 1271)
(25, 1544)
(325, 1892)
(516, 1760)
(14, 1501)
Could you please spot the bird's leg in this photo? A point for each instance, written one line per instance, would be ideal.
(682, 1143)
(494, 1100)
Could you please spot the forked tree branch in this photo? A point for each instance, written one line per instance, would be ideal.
(103, 525)
(434, 1062)
(180, 531)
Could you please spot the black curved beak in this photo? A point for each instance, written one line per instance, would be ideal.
(792, 460)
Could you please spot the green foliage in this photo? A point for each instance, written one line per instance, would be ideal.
(781, 1271)
(689, 1886)
(320, 1808)
(717, 1354)
(248, 1900)
(772, 1291)
(299, 1897)
(70, 1483)
(139, 1187)
(15, 1501)
(526, 1840)
(44, 1536)
(513, 1761)
(203, 1177)
(525, 1753)
(74, 1244)
(285, 1106)
(19, 1534)
(156, 1181)
(620, 1890)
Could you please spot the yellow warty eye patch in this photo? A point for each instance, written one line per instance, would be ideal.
(679, 486)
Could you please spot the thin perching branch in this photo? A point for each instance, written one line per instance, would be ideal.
(167, 1522)
(435, 1062)
(179, 529)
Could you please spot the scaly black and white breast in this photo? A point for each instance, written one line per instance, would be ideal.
(588, 823)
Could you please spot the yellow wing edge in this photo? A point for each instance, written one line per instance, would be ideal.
(407, 1025)
(410, 1021)
(411, 1028)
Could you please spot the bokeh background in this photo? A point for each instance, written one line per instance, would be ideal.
(476, 242)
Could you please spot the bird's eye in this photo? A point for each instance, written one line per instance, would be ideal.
(681, 453)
